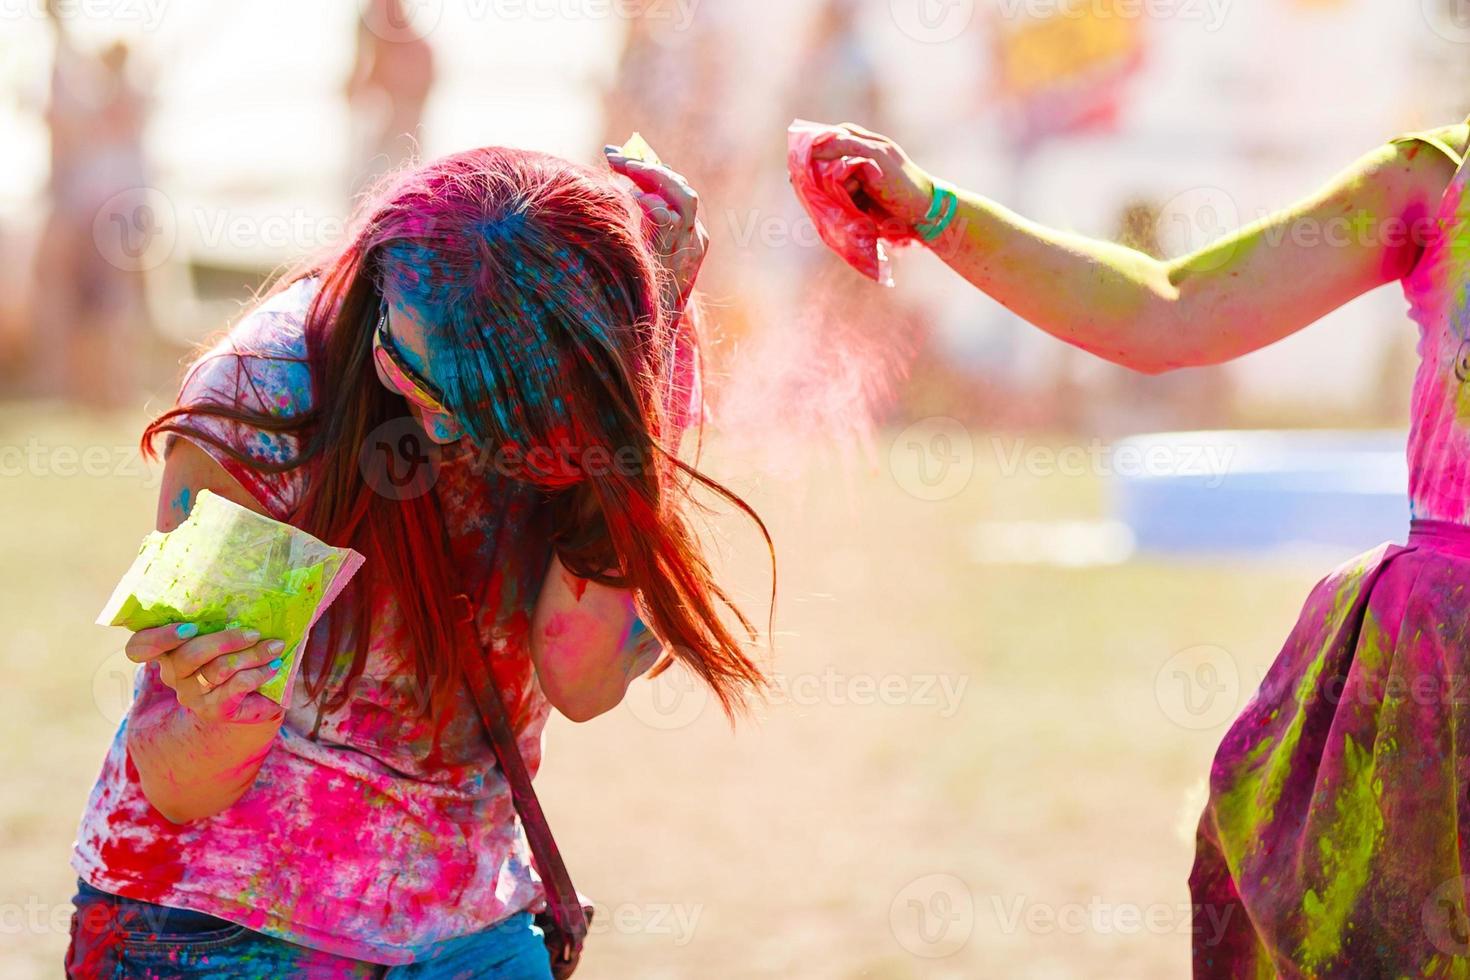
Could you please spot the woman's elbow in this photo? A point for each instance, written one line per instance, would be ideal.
(1153, 366)
(1159, 350)
(179, 803)
(175, 807)
(585, 709)
(578, 694)
(579, 704)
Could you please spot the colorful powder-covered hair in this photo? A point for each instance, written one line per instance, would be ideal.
(548, 337)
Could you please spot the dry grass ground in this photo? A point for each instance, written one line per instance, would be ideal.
(967, 760)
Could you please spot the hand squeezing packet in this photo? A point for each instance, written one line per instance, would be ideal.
(226, 566)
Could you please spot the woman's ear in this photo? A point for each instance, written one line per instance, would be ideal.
(441, 427)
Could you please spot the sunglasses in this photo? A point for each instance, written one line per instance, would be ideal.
(400, 374)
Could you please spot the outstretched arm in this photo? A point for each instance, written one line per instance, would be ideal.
(1364, 228)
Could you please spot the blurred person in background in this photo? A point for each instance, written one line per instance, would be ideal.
(507, 327)
(835, 74)
(1334, 840)
(15, 309)
(89, 302)
(1121, 400)
(668, 82)
(392, 75)
(676, 84)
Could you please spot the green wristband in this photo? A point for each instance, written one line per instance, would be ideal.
(942, 209)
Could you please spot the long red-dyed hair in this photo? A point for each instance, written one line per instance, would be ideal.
(547, 331)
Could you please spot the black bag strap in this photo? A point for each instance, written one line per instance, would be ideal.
(562, 904)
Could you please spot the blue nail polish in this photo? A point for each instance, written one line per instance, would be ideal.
(276, 664)
(187, 631)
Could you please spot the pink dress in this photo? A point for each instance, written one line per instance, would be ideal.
(1336, 842)
(367, 834)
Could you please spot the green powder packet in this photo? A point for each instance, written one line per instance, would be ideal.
(637, 148)
(227, 566)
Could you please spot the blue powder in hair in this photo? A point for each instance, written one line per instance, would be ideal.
(505, 228)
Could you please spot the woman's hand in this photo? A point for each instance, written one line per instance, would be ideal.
(672, 209)
(216, 676)
(894, 188)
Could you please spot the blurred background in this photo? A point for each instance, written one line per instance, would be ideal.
(1023, 593)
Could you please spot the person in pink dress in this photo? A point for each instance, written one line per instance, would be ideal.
(1336, 839)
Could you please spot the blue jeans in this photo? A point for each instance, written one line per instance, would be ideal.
(115, 938)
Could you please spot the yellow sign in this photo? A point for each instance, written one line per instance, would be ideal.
(1080, 40)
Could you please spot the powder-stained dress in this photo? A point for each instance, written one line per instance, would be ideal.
(1336, 841)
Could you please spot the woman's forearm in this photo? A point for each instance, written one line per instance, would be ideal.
(1250, 288)
(189, 768)
(1103, 297)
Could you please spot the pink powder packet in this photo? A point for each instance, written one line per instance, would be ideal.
(819, 185)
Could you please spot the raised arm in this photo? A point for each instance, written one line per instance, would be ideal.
(1364, 228)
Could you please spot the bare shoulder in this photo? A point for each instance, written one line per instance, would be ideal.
(187, 469)
(1456, 136)
(1416, 168)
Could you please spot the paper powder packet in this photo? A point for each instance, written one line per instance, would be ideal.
(227, 566)
(637, 148)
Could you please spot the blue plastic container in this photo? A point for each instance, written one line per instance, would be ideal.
(1251, 492)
